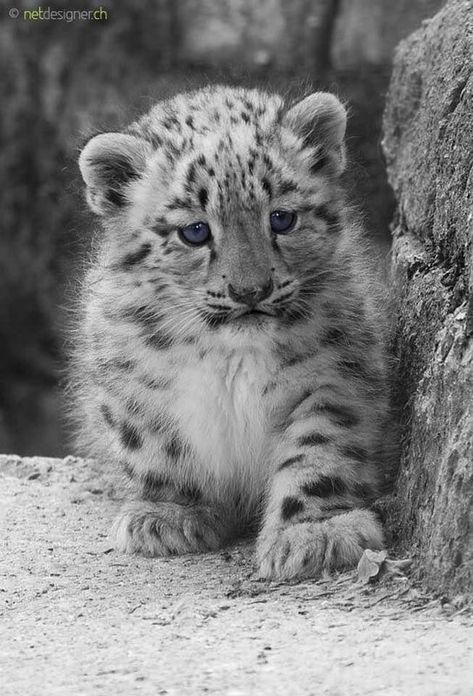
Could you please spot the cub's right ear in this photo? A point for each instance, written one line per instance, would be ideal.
(320, 120)
(108, 163)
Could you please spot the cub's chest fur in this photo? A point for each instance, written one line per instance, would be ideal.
(223, 412)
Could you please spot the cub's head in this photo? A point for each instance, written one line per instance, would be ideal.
(228, 198)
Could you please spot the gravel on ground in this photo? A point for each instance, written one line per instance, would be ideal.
(76, 618)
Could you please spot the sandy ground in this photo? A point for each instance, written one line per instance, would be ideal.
(77, 618)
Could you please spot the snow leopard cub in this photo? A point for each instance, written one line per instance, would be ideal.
(231, 359)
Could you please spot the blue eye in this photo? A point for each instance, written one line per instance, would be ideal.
(195, 234)
(282, 221)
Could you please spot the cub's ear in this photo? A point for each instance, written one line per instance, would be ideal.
(108, 163)
(321, 120)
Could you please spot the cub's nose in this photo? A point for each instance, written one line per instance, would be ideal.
(251, 295)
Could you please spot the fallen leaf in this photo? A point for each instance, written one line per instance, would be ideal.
(370, 564)
(375, 564)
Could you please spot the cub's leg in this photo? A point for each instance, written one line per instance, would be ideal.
(316, 518)
(170, 511)
(164, 528)
(169, 519)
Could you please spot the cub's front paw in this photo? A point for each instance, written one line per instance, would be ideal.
(308, 549)
(162, 529)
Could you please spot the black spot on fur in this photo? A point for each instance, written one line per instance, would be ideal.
(341, 415)
(174, 447)
(301, 398)
(364, 490)
(318, 164)
(155, 140)
(290, 507)
(213, 253)
(152, 485)
(289, 462)
(135, 257)
(116, 172)
(266, 187)
(359, 454)
(130, 437)
(325, 486)
(179, 204)
(335, 336)
(113, 364)
(128, 469)
(162, 229)
(215, 319)
(269, 387)
(192, 493)
(296, 359)
(107, 415)
(190, 122)
(285, 187)
(116, 198)
(312, 440)
(134, 407)
(333, 511)
(331, 218)
(308, 558)
(275, 245)
(158, 340)
(155, 382)
(203, 198)
(191, 174)
(352, 368)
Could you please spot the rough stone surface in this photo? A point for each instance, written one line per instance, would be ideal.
(78, 619)
(429, 151)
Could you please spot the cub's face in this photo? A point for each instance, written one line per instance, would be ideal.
(230, 196)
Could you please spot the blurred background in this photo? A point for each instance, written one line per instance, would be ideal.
(62, 80)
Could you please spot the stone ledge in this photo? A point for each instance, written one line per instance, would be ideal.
(429, 152)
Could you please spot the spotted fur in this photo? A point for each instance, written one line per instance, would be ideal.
(223, 416)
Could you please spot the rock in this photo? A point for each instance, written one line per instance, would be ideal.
(428, 146)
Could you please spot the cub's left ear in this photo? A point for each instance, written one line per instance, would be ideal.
(108, 164)
(321, 120)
